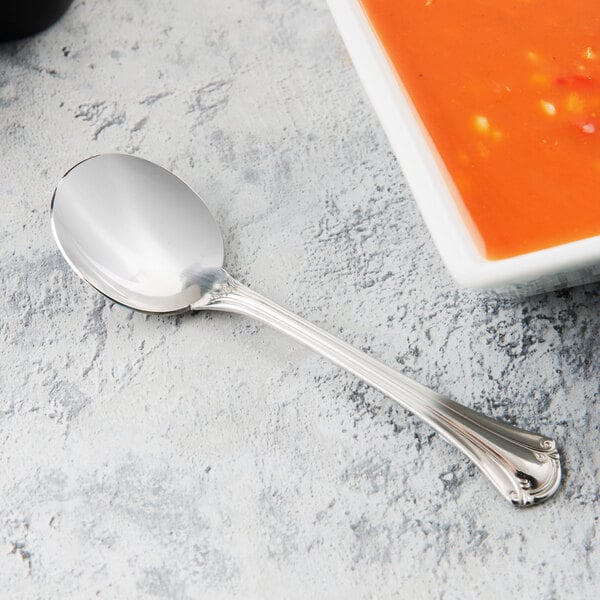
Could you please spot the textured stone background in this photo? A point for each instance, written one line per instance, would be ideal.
(207, 456)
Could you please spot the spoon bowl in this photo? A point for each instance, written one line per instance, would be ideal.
(136, 233)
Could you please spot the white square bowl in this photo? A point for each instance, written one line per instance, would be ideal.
(544, 270)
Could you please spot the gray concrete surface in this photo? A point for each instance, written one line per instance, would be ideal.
(207, 456)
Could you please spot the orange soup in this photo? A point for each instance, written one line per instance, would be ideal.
(509, 92)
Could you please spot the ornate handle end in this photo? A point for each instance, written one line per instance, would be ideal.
(541, 480)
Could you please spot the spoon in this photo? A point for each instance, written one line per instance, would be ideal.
(144, 239)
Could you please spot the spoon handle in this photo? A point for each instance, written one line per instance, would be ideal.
(523, 466)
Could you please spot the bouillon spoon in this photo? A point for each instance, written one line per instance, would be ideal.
(144, 239)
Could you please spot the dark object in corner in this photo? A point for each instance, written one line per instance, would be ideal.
(20, 18)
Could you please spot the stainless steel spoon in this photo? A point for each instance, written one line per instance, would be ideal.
(144, 239)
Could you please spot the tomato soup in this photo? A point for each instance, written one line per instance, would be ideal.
(509, 92)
